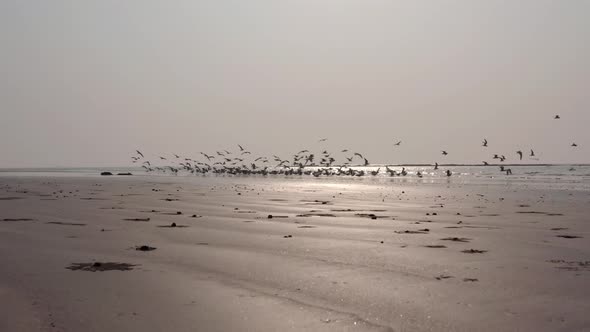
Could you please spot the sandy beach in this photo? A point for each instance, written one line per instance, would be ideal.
(367, 255)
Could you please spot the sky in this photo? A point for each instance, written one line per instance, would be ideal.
(86, 83)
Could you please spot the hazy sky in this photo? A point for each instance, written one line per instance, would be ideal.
(85, 83)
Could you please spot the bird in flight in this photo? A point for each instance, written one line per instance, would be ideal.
(241, 148)
(485, 143)
(557, 117)
(444, 153)
(139, 153)
(574, 145)
(323, 140)
(532, 153)
(519, 153)
(398, 143)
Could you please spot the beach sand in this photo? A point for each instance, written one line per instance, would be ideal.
(335, 256)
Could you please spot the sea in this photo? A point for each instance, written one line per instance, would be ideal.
(568, 177)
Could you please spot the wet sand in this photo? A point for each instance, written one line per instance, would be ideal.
(244, 254)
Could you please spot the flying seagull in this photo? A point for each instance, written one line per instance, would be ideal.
(574, 145)
(323, 140)
(139, 153)
(444, 153)
(532, 153)
(241, 148)
(519, 153)
(485, 143)
(557, 117)
(398, 143)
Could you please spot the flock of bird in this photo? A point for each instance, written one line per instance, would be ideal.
(304, 162)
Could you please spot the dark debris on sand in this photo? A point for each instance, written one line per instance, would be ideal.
(65, 223)
(456, 239)
(145, 248)
(173, 225)
(575, 266)
(10, 198)
(474, 251)
(421, 231)
(442, 277)
(137, 219)
(17, 219)
(101, 267)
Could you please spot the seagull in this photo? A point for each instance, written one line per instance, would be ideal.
(532, 153)
(435, 166)
(485, 143)
(485, 163)
(574, 145)
(241, 148)
(557, 117)
(398, 143)
(519, 153)
(162, 158)
(358, 154)
(404, 172)
(177, 156)
(449, 173)
(366, 162)
(139, 153)
(323, 140)
(445, 153)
